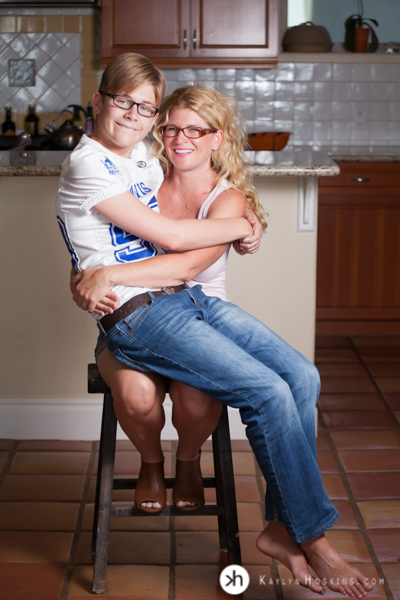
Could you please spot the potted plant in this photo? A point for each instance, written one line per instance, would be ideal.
(358, 30)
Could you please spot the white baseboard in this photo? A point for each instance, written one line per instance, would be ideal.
(74, 420)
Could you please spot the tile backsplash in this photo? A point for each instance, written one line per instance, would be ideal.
(321, 104)
(57, 59)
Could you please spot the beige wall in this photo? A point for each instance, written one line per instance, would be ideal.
(278, 284)
(47, 341)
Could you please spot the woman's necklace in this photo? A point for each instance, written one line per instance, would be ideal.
(187, 205)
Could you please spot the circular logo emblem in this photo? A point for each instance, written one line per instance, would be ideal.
(234, 580)
(141, 164)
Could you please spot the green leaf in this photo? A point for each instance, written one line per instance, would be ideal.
(372, 21)
(352, 19)
(350, 35)
(374, 41)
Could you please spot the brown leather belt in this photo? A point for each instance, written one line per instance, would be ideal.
(128, 307)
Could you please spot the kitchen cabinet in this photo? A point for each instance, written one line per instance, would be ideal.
(358, 272)
(192, 33)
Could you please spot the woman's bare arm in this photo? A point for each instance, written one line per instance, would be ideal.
(168, 269)
(131, 215)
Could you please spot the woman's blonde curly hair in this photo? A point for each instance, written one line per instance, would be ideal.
(220, 111)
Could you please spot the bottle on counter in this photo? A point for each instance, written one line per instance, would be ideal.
(89, 120)
(32, 121)
(8, 125)
(76, 119)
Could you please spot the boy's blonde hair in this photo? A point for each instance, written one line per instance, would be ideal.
(129, 71)
(219, 111)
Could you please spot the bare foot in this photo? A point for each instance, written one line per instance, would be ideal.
(276, 542)
(333, 570)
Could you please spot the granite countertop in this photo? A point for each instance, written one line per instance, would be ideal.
(287, 163)
(360, 154)
(292, 163)
(299, 161)
(38, 163)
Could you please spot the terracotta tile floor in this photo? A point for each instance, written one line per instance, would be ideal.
(47, 492)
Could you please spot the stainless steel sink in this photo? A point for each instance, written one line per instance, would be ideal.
(39, 142)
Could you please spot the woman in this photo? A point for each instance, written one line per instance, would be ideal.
(214, 162)
(214, 346)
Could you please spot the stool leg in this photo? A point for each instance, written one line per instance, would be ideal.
(104, 488)
(225, 488)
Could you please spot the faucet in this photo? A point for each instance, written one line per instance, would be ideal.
(19, 156)
(24, 139)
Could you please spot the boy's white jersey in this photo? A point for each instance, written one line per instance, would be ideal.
(90, 174)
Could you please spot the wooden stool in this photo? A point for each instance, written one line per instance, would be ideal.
(223, 482)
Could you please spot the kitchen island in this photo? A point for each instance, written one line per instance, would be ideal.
(48, 341)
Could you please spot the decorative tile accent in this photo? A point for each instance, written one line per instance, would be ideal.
(56, 62)
(21, 73)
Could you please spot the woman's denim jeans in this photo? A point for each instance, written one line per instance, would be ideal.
(218, 348)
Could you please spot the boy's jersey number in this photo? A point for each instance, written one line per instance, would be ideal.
(134, 248)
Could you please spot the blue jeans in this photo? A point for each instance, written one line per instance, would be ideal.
(218, 348)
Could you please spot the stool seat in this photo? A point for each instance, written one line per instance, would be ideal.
(223, 482)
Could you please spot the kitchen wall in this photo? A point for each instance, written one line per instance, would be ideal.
(66, 49)
(322, 104)
(332, 15)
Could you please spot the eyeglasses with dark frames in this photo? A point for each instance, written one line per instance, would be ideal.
(189, 132)
(145, 110)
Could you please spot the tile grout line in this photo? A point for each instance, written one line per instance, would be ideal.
(274, 566)
(78, 529)
(171, 529)
(11, 454)
(357, 513)
(376, 386)
(353, 503)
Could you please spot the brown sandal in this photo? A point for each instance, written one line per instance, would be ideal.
(150, 486)
(188, 484)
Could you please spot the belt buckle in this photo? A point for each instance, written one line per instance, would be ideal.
(168, 290)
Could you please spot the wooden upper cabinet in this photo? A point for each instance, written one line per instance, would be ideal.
(192, 33)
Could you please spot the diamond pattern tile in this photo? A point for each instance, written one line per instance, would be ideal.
(58, 67)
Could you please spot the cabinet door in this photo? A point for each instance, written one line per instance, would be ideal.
(154, 28)
(358, 275)
(192, 33)
(236, 30)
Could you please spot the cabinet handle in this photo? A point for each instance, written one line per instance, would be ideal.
(360, 179)
(194, 38)
(184, 39)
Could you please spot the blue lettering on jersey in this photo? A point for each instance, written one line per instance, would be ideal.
(111, 168)
(74, 257)
(139, 189)
(129, 246)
